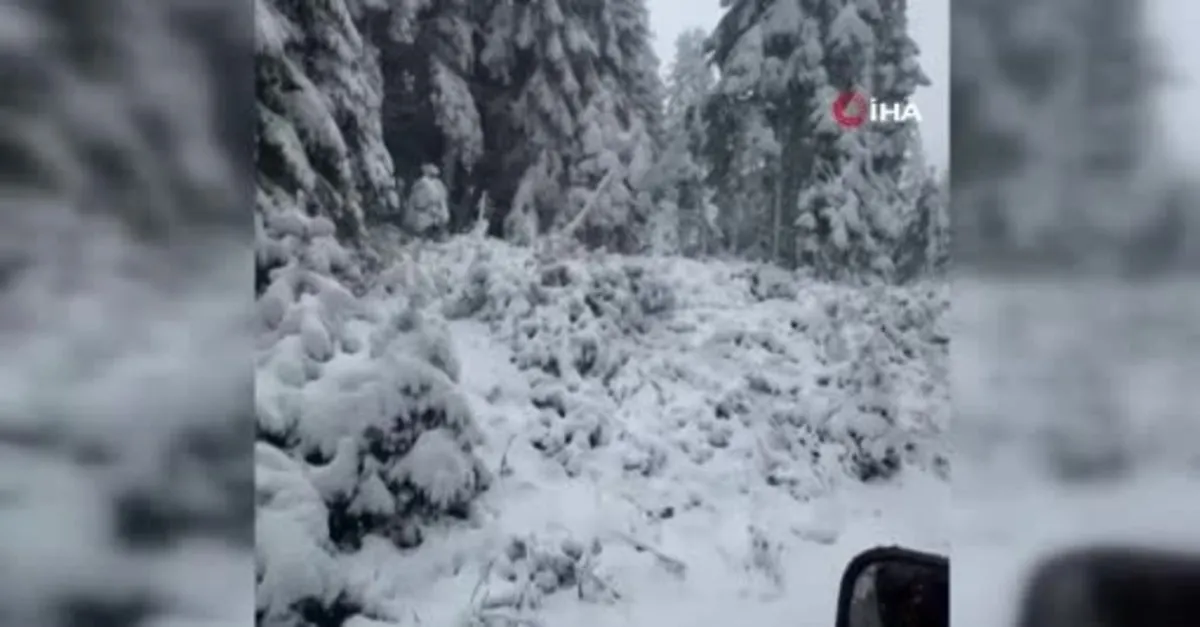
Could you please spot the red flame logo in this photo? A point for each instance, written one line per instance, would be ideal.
(851, 109)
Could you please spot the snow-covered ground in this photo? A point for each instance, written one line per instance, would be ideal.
(662, 441)
(707, 517)
(1001, 532)
(650, 441)
(1052, 378)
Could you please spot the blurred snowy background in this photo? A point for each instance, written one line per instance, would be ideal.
(125, 391)
(1077, 313)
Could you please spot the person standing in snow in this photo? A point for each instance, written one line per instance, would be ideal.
(428, 214)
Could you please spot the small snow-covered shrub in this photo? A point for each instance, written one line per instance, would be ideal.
(495, 288)
(567, 331)
(570, 424)
(296, 575)
(886, 378)
(568, 323)
(360, 424)
(437, 468)
(365, 414)
(771, 282)
(529, 569)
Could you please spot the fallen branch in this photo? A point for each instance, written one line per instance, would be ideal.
(505, 469)
(483, 576)
(575, 223)
(673, 565)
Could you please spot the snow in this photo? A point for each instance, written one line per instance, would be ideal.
(118, 367)
(664, 441)
(1000, 534)
(718, 513)
(435, 466)
(1040, 356)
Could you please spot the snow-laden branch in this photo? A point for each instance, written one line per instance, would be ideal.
(575, 223)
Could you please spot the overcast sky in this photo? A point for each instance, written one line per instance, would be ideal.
(930, 24)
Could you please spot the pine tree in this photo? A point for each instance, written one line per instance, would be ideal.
(681, 170)
(690, 81)
(1117, 81)
(531, 103)
(428, 59)
(319, 124)
(618, 131)
(743, 145)
(809, 192)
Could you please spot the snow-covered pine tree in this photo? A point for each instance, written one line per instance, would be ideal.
(616, 134)
(854, 214)
(640, 68)
(936, 194)
(430, 116)
(681, 170)
(319, 126)
(690, 81)
(802, 186)
(427, 213)
(637, 82)
(533, 103)
(922, 249)
(742, 146)
(529, 96)
(1113, 168)
(988, 148)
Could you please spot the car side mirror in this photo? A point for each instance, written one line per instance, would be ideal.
(895, 587)
(1114, 587)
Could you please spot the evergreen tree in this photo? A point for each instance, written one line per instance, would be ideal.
(430, 115)
(533, 104)
(681, 170)
(810, 192)
(739, 144)
(318, 123)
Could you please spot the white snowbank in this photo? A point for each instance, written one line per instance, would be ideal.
(671, 441)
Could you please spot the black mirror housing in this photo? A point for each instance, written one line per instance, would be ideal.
(895, 587)
(1114, 586)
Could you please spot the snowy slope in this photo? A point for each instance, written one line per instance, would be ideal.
(667, 441)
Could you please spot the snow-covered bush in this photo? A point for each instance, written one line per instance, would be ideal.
(297, 578)
(887, 379)
(427, 214)
(771, 282)
(496, 286)
(356, 391)
(876, 402)
(528, 569)
(360, 424)
(124, 491)
(618, 292)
